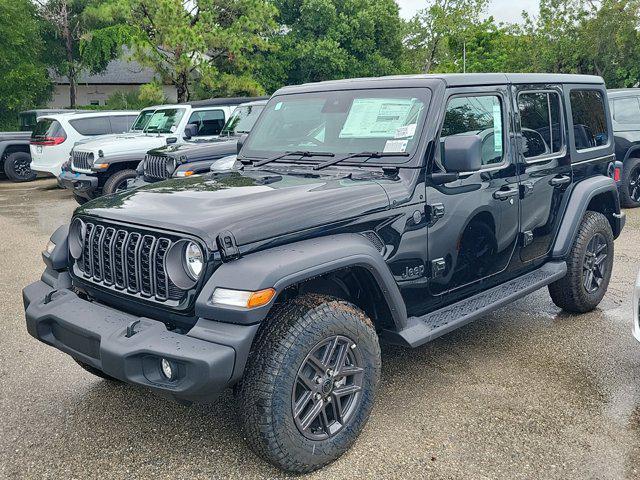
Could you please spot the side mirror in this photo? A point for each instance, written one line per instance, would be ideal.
(241, 141)
(462, 153)
(190, 130)
(171, 140)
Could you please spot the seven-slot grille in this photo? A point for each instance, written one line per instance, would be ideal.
(81, 160)
(130, 261)
(155, 166)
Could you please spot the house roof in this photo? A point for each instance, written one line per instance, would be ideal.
(118, 72)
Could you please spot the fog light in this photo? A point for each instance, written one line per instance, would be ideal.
(167, 369)
(50, 247)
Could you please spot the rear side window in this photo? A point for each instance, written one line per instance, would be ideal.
(477, 115)
(27, 121)
(209, 122)
(626, 110)
(121, 123)
(540, 120)
(47, 128)
(589, 119)
(91, 126)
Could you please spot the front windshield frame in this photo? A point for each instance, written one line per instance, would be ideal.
(179, 115)
(421, 95)
(143, 118)
(235, 120)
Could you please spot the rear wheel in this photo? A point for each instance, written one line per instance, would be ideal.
(630, 188)
(310, 382)
(589, 266)
(17, 167)
(118, 181)
(96, 372)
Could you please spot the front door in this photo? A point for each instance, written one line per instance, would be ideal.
(545, 166)
(476, 235)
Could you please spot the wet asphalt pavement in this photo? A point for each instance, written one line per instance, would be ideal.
(527, 392)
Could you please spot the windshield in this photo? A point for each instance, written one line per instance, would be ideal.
(242, 120)
(141, 120)
(341, 122)
(164, 121)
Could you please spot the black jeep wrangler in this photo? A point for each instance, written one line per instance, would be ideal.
(374, 210)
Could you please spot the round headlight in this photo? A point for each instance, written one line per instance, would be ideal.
(171, 165)
(193, 259)
(76, 238)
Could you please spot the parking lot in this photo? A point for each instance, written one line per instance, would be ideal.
(526, 392)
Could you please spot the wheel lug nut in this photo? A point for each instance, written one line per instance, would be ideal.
(318, 396)
(353, 346)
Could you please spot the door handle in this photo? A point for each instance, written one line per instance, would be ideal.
(504, 194)
(559, 181)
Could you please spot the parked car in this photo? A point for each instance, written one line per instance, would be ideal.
(105, 166)
(636, 309)
(54, 135)
(625, 109)
(282, 278)
(187, 159)
(15, 158)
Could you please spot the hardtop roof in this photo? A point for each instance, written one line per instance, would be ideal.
(449, 79)
(622, 92)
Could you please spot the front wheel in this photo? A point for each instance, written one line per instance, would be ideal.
(630, 187)
(310, 383)
(589, 266)
(118, 181)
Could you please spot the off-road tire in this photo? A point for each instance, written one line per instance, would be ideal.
(630, 183)
(96, 372)
(570, 293)
(79, 199)
(14, 167)
(265, 394)
(114, 182)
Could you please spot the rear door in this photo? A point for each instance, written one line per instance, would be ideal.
(545, 165)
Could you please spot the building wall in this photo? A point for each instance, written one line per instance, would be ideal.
(89, 94)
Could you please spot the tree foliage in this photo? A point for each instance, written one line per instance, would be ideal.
(330, 39)
(24, 81)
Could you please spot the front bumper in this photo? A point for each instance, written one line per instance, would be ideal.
(636, 309)
(82, 184)
(102, 337)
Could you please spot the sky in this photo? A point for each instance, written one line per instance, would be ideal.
(502, 10)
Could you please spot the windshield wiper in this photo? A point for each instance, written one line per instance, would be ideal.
(287, 154)
(368, 155)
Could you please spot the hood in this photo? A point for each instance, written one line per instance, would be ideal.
(120, 144)
(253, 205)
(194, 152)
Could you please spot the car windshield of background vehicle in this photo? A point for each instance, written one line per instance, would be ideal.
(589, 119)
(540, 120)
(626, 110)
(164, 121)
(341, 122)
(142, 120)
(242, 120)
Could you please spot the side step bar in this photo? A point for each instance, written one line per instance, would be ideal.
(428, 327)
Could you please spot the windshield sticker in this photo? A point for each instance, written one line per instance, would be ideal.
(406, 131)
(497, 128)
(395, 146)
(278, 106)
(376, 117)
(173, 128)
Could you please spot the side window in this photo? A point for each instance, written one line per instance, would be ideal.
(589, 119)
(540, 120)
(477, 115)
(91, 126)
(626, 110)
(121, 123)
(209, 122)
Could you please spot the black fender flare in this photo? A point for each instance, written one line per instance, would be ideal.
(632, 152)
(5, 144)
(580, 197)
(283, 266)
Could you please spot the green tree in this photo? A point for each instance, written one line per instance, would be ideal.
(434, 32)
(330, 39)
(24, 81)
(202, 47)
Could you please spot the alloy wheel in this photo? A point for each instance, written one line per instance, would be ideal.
(634, 185)
(594, 264)
(328, 388)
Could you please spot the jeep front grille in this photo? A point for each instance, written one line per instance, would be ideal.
(127, 260)
(81, 160)
(155, 166)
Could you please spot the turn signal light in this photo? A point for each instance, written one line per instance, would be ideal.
(260, 298)
(242, 298)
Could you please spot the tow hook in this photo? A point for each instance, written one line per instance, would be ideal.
(131, 329)
(49, 296)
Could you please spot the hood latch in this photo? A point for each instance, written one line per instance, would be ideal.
(228, 247)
